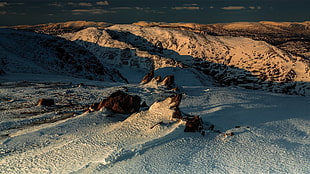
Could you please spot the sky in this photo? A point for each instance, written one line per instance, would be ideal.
(23, 12)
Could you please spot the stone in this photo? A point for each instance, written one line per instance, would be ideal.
(168, 81)
(46, 102)
(119, 102)
(193, 124)
(148, 77)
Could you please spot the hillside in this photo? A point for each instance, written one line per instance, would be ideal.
(28, 52)
(229, 60)
(87, 97)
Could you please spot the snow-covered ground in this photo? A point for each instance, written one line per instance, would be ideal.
(270, 131)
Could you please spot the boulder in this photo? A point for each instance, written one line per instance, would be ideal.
(46, 102)
(148, 77)
(119, 102)
(168, 81)
(176, 100)
(193, 124)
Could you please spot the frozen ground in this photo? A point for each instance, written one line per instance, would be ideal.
(271, 131)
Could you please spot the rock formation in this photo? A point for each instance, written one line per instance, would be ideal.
(119, 102)
(46, 102)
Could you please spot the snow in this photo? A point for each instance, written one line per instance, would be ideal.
(255, 131)
(230, 60)
(271, 131)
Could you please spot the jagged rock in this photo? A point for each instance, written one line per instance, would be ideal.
(46, 102)
(193, 124)
(177, 113)
(168, 81)
(176, 100)
(80, 85)
(119, 102)
(228, 134)
(148, 77)
(157, 79)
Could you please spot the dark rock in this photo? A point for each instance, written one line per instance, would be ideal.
(46, 102)
(80, 85)
(159, 123)
(168, 81)
(211, 127)
(148, 77)
(120, 102)
(176, 100)
(193, 124)
(143, 105)
(229, 134)
(157, 79)
(177, 113)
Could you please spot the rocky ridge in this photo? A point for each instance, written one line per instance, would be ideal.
(265, 55)
(230, 60)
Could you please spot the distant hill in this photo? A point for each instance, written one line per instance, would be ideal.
(259, 56)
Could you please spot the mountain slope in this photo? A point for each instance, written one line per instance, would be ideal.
(230, 60)
(29, 52)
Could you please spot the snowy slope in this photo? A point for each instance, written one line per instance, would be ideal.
(29, 52)
(254, 131)
(230, 60)
(271, 131)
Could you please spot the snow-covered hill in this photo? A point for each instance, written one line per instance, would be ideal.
(243, 130)
(29, 52)
(135, 49)
(229, 60)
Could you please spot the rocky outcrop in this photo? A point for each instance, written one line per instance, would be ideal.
(231, 61)
(193, 124)
(46, 102)
(148, 77)
(119, 102)
(168, 81)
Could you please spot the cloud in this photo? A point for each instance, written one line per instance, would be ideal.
(185, 8)
(255, 8)
(130, 8)
(91, 11)
(55, 5)
(83, 4)
(241, 8)
(122, 8)
(3, 4)
(102, 3)
(234, 8)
